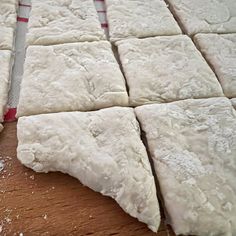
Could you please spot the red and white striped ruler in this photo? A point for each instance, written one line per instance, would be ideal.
(22, 20)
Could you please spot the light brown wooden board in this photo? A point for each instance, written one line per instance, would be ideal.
(56, 204)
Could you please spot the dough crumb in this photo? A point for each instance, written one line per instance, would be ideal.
(2, 165)
(8, 220)
(32, 177)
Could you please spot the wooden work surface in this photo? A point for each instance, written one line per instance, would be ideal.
(56, 204)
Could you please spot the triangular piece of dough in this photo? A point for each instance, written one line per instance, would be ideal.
(102, 149)
(193, 146)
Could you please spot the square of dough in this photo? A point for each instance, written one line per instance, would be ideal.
(220, 52)
(165, 69)
(201, 16)
(139, 19)
(193, 147)
(5, 72)
(71, 77)
(63, 21)
(102, 149)
(8, 18)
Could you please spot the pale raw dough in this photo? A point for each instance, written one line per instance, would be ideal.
(63, 21)
(234, 102)
(164, 69)
(139, 19)
(1, 127)
(220, 52)
(8, 18)
(5, 71)
(8, 13)
(193, 146)
(201, 16)
(71, 77)
(14, 3)
(102, 149)
(6, 38)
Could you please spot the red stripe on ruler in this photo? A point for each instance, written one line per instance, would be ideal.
(10, 115)
(24, 5)
(104, 25)
(22, 19)
(101, 11)
(99, 0)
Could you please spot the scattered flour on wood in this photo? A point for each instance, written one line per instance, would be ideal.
(3, 164)
(32, 177)
(8, 220)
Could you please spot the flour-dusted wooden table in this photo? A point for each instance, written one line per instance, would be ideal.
(56, 204)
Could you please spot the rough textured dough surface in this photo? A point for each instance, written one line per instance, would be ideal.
(8, 15)
(71, 77)
(5, 65)
(6, 38)
(63, 21)
(234, 102)
(193, 146)
(102, 149)
(8, 18)
(139, 19)
(201, 16)
(164, 69)
(220, 52)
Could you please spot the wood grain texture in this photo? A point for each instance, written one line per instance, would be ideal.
(56, 204)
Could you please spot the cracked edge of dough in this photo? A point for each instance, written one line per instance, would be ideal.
(28, 161)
